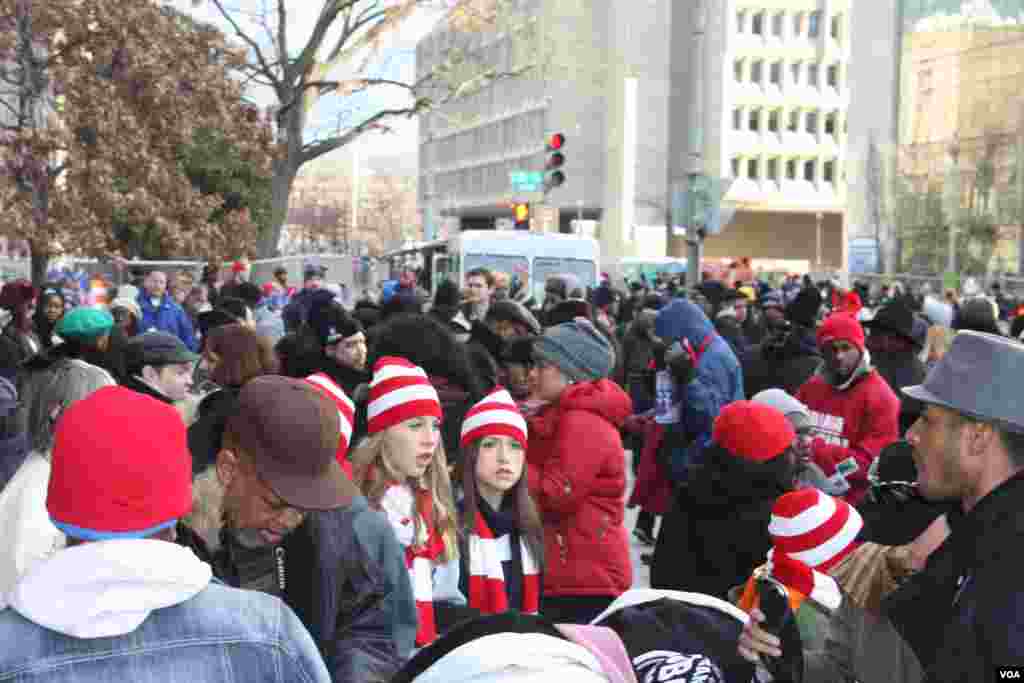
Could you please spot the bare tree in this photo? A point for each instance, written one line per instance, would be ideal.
(348, 35)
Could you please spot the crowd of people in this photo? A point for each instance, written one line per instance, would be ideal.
(273, 483)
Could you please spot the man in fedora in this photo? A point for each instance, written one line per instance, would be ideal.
(969, 447)
(894, 352)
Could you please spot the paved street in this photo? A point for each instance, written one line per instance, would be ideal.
(641, 572)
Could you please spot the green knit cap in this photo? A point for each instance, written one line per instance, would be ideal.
(85, 323)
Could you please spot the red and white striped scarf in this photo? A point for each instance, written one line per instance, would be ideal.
(419, 560)
(487, 591)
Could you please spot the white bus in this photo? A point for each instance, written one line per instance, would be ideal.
(530, 258)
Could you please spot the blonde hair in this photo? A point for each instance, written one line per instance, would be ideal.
(373, 475)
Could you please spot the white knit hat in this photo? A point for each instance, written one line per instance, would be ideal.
(346, 409)
(795, 411)
(495, 415)
(399, 391)
(814, 528)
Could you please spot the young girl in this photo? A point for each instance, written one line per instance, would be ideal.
(504, 539)
(402, 470)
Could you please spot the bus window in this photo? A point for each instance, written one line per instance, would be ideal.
(545, 267)
(497, 263)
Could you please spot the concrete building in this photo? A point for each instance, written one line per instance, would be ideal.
(768, 96)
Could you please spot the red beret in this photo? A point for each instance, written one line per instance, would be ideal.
(753, 431)
(841, 327)
(15, 293)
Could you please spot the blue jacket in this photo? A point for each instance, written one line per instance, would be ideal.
(131, 610)
(220, 634)
(167, 317)
(718, 380)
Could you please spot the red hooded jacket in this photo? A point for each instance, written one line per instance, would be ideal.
(577, 476)
(851, 425)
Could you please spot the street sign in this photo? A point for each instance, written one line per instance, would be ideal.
(526, 181)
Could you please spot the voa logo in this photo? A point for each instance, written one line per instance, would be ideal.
(665, 666)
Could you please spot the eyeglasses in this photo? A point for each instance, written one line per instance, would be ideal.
(892, 492)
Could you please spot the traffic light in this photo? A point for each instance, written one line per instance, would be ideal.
(521, 216)
(554, 176)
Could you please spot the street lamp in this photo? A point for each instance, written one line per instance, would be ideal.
(817, 218)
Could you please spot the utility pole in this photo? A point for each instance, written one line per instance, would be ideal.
(694, 233)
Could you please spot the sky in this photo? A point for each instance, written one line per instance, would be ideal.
(382, 152)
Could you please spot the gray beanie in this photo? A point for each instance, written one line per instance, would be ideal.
(797, 413)
(581, 352)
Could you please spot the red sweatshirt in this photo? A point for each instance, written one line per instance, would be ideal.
(852, 426)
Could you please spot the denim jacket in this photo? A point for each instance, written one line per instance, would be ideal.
(145, 610)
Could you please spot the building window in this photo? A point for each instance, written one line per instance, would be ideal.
(832, 77)
(771, 171)
(791, 169)
(835, 27)
(773, 120)
(798, 24)
(735, 167)
(828, 171)
(794, 70)
(809, 170)
(794, 121)
(757, 24)
(814, 25)
(830, 124)
(775, 74)
(737, 69)
(756, 69)
(812, 75)
(752, 169)
(777, 20)
(755, 120)
(741, 21)
(812, 122)
(737, 119)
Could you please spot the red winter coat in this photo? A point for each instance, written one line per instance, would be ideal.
(852, 424)
(577, 475)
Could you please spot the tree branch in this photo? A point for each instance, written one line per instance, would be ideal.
(249, 41)
(318, 149)
(282, 32)
(302, 64)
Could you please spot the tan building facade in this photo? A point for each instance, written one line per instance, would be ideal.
(963, 110)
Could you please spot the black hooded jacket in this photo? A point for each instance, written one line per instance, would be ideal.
(785, 360)
(718, 531)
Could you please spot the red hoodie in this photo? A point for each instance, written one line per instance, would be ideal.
(852, 426)
(577, 476)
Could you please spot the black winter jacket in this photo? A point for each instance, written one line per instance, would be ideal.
(782, 361)
(963, 615)
(717, 532)
(346, 580)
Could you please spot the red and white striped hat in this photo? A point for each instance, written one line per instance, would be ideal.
(346, 412)
(399, 391)
(495, 415)
(814, 528)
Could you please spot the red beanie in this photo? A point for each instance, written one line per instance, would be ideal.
(841, 327)
(753, 431)
(119, 483)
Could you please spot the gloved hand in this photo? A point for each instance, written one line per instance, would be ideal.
(680, 362)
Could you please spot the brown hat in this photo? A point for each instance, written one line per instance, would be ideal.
(291, 433)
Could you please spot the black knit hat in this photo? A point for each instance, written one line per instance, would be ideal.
(803, 310)
(332, 323)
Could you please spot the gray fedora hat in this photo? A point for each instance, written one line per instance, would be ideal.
(981, 376)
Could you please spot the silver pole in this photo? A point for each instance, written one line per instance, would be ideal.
(696, 140)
